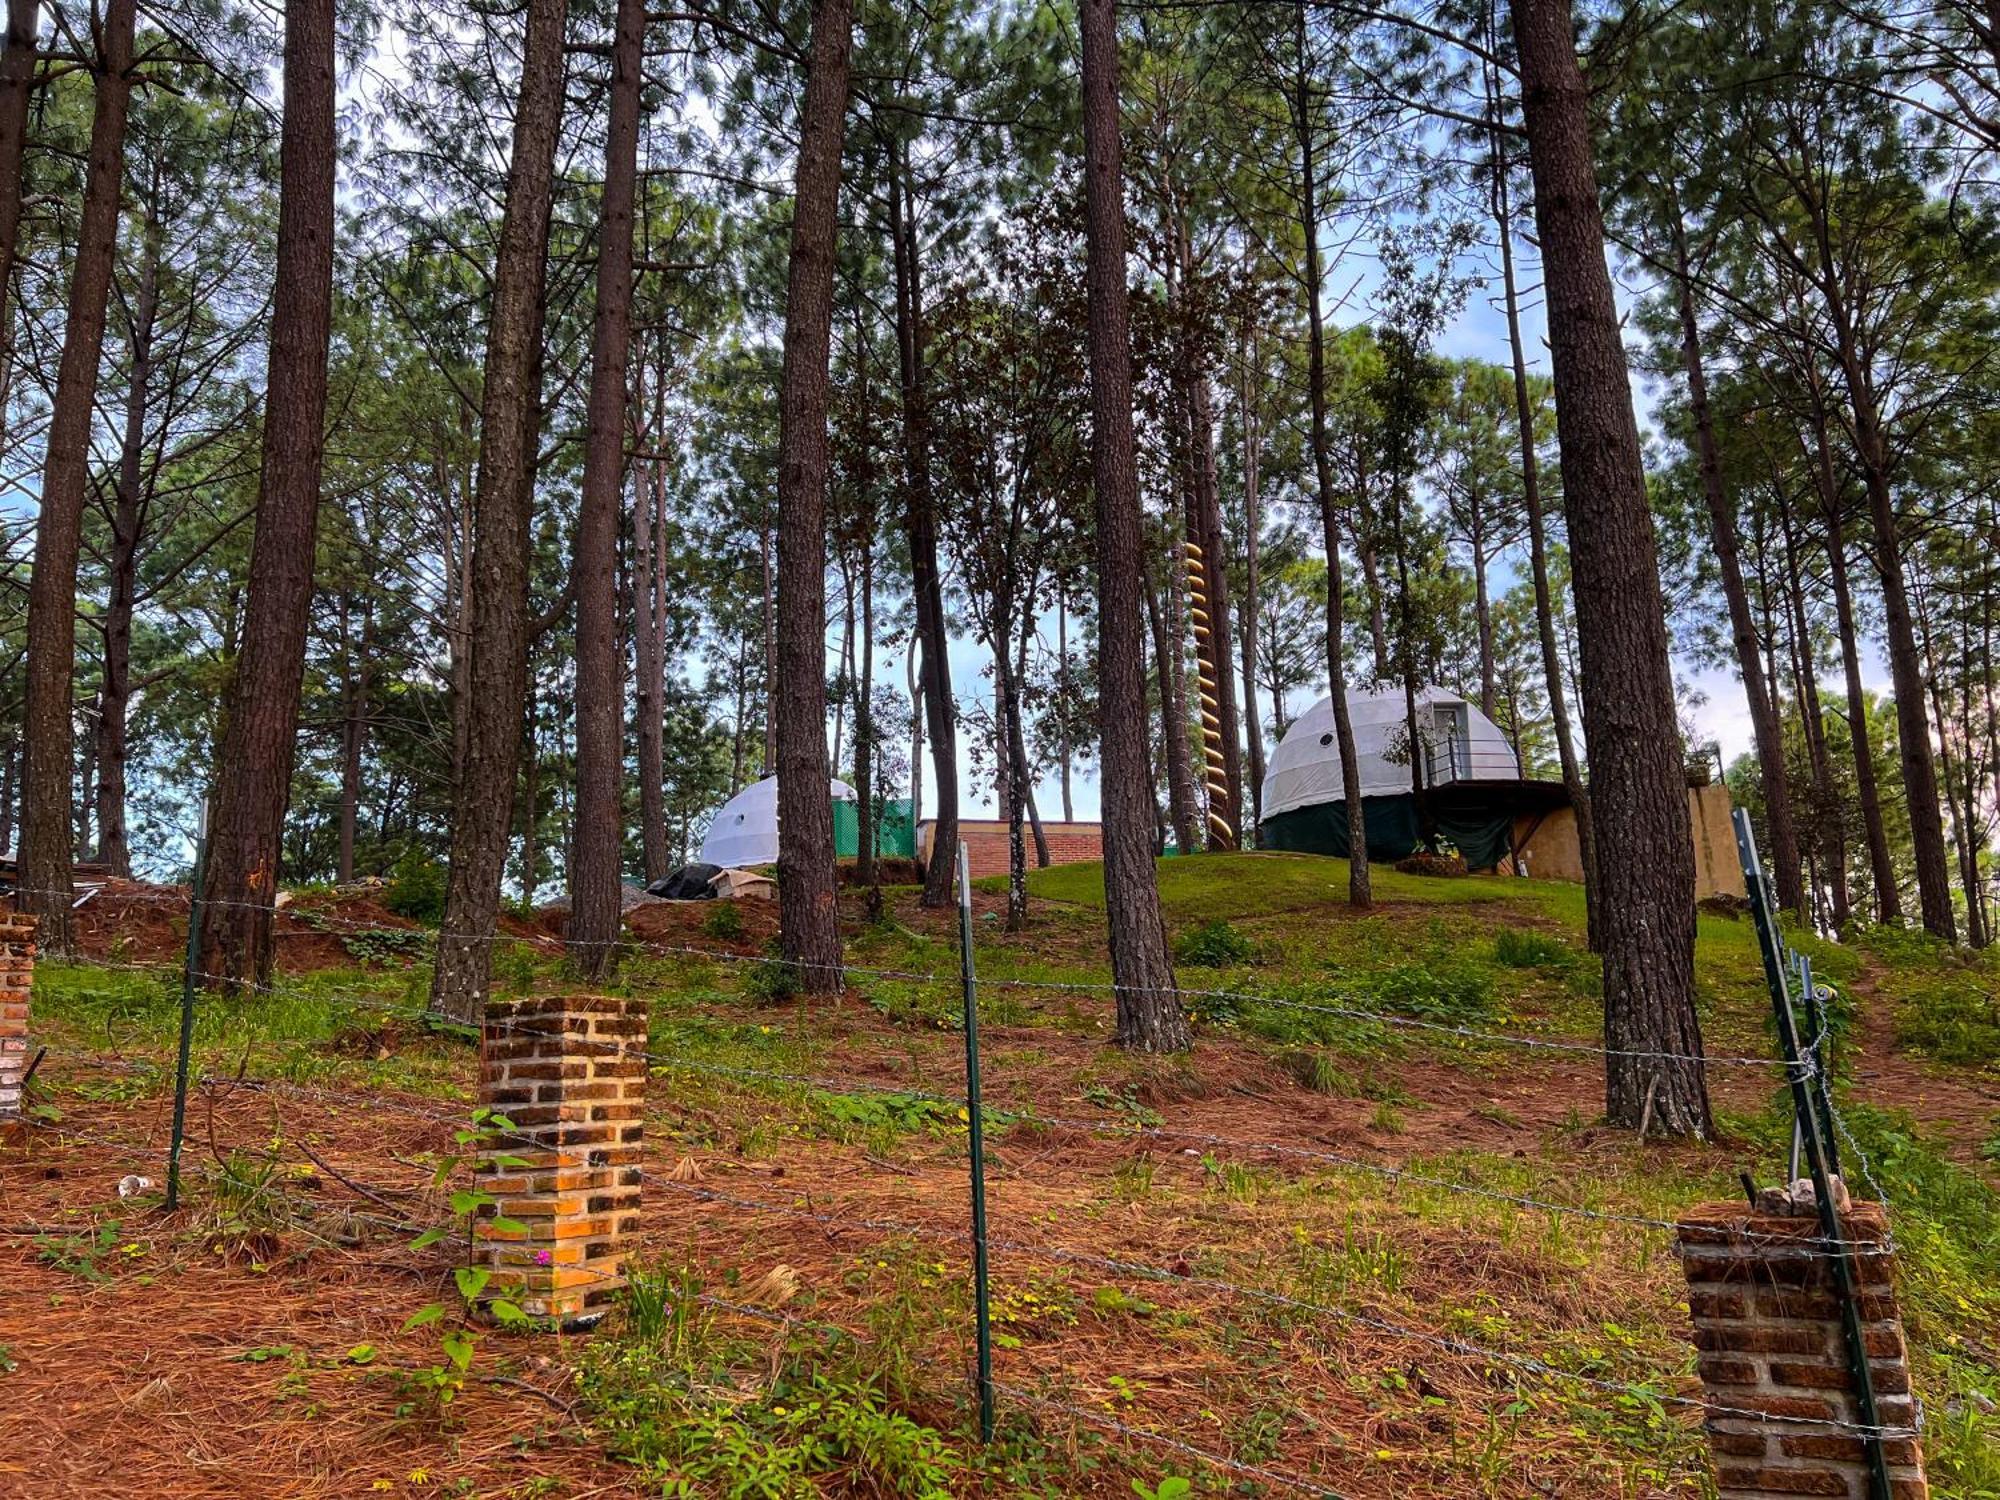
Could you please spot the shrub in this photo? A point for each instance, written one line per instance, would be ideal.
(1951, 1020)
(1524, 948)
(1421, 863)
(772, 981)
(1213, 945)
(416, 886)
(1447, 992)
(724, 923)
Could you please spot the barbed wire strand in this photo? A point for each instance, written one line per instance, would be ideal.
(323, 920)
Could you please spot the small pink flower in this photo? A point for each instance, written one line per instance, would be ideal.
(545, 1257)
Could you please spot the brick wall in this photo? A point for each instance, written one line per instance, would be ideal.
(986, 842)
(17, 978)
(569, 1073)
(1768, 1330)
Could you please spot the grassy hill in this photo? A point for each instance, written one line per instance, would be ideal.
(1273, 1250)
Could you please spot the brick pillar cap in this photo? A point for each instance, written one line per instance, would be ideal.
(565, 1005)
(1726, 1223)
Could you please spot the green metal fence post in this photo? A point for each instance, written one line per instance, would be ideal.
(189, 967)
(981, 1295)
(1813, 1132)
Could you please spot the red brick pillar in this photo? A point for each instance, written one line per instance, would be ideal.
(569, 1073)
(17, 979)
(1767, 1324)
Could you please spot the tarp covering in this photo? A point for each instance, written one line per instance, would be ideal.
(744, 830)
(688, 883)
(1459, 744)
(895, 834)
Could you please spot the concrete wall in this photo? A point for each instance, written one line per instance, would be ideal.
(1550, 852)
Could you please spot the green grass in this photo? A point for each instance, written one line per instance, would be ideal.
(739, 1074)
(1221, 887)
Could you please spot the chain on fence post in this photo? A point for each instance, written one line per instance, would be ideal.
(188, 970)
(1813, 1131)
(976, 1143)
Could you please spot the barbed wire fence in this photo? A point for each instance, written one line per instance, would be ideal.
(1806, 1067)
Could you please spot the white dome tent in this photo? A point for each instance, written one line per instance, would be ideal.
(1471, 777)
(1460, 744)
(744, 830)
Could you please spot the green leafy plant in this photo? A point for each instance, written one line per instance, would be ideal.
(80, 1254)
(416, 886)
(724, 922)
(1213, 945)
(436, 1386)
(1173, 1487)
(1525, 948)
(772, 981)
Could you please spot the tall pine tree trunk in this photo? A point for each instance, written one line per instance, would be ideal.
(769, 618)
(1221, 730)
(1722, 531)
(260, 736)
(47, 764)
(1654, 1069)
(354, 734)
(1538, 566)
(1359, 892)
(128, 520)
(1150, 1017)
(920, 533)
(1881, 867)
(1832, 846)
(595, 876)
(17, 86)
(1253, 525)
(1175, 751)
(649, 662)
(1920, 782)
(503, 504)
(808, 911)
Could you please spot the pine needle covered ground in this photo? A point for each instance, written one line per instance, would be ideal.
(1264, 1251)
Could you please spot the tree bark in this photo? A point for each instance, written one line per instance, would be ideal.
(770, 622)
(1538, 562)
(1920, 783)
(1221, 731)
(1174, 748)
(1826, 821)
(354, 736)
(128, 523)
(47, 765)
(1065, 750)
(1654, 1065)
(1722, 529)
(595, 878)
(808, 913)
(866, 868)
(649, 661)
(1253, 525)
(17, 86)
(1150, 1016)
(1882, 869)
(921, 535)
(260, 737)
(1359, 892)
(503, 505)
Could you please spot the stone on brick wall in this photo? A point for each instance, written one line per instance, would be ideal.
(17, 979)
(569, 1074)
(1773, 1359)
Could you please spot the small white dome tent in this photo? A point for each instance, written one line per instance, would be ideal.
(744, 830)
(1471, 777)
